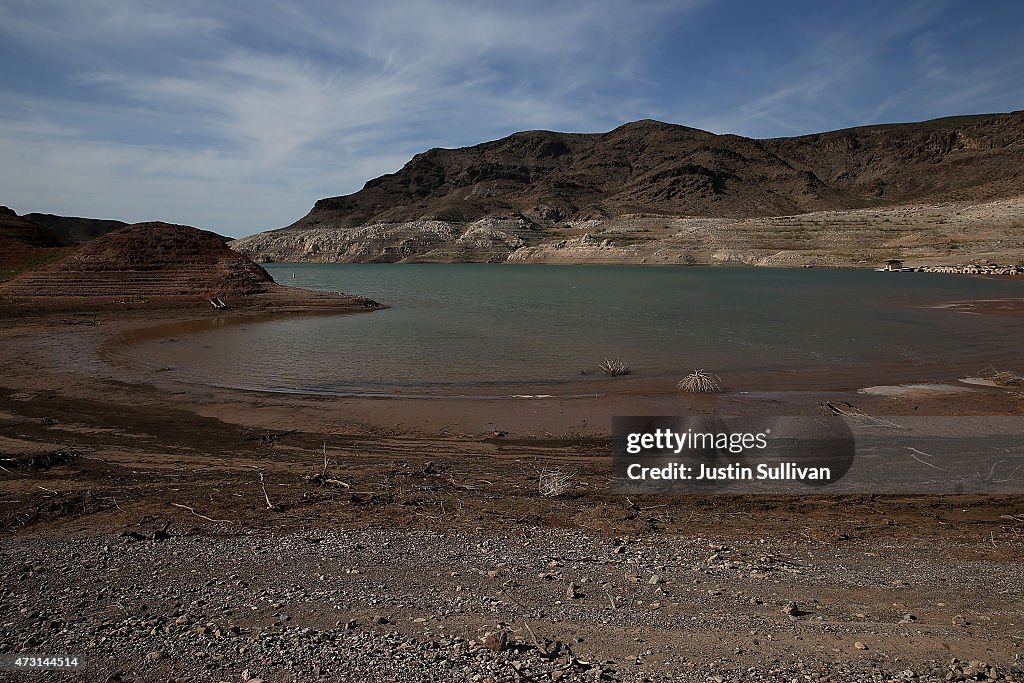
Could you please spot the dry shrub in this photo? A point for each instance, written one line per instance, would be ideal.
(554, 482)
(614, 367)
(700, 382)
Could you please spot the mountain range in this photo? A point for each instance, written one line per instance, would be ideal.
(605, 196)
(947, 190)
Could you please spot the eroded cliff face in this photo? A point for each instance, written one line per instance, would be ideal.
(487, 239)
(520, 197)
(927, 233)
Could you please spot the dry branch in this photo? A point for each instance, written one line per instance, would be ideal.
(266, 496)
(193, 511)
(857, 415)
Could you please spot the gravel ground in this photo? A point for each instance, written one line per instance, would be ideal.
(518, 605)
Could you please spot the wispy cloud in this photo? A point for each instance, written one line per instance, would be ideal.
(241, 117)
(236, 116)
(822, 80)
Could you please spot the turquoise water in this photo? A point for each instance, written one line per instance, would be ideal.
(455, 328)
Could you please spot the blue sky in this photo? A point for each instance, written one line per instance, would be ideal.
(237, 116)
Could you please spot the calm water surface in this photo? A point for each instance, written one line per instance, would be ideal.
(502, 329)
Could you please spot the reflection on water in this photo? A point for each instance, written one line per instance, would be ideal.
(475, 328)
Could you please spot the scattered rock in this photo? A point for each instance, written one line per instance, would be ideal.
(496, 641)
(792, 610)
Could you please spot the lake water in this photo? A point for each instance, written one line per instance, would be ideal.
(503, 329)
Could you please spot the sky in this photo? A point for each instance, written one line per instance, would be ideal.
(237, 116)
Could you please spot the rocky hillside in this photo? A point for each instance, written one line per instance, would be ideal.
(73, 230)
(24, 229)
(145, 260)
(24, 243)
(35, 239)
(151, 265)
(539, 189)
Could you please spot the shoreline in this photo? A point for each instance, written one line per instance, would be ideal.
(406, 521)
(744, 388)
(924, 266)
(132, 326)
(539, 412)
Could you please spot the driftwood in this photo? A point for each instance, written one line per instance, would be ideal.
(42, 461)
(856, 415)
(193, 511)
(329, 481)
(323, 480)
(266, 496)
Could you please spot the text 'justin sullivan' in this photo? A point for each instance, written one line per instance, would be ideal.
(784, 471)
(667, 440)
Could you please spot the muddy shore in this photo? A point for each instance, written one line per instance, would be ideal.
(111, 468)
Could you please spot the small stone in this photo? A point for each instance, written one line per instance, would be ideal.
(497, 641)
(656, 579)
(860, 646)
(155, 656)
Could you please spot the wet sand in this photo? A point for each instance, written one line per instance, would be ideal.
(59, 389)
